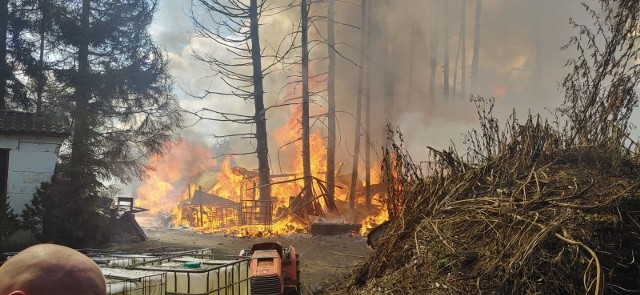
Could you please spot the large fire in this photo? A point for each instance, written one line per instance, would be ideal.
(186, 187)
(176, 178)
(171, 174)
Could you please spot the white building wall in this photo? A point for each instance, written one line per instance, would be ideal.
(32, 160)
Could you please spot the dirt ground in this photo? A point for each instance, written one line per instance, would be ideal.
(322, 258)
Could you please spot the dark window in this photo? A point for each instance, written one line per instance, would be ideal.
(4, 173)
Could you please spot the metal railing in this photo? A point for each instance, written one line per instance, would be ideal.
(224, 216)
(256, 212)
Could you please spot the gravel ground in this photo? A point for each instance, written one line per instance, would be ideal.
(323, 259)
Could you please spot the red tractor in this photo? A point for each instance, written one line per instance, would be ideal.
(274, 270)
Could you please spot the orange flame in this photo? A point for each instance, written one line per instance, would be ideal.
(230, 184)
(170, 174)
(174, 177)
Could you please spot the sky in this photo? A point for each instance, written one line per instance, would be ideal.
(520, 65)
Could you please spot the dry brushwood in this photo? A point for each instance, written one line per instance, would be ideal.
(533, 208)
(536, 218)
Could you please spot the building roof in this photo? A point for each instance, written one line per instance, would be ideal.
(200, 197)
(22, 123)
(207, 180)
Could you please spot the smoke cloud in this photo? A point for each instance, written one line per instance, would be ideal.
(520, 64)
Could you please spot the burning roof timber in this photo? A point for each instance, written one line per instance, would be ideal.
(202, 198)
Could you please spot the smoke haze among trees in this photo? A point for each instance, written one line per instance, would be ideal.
(520, 63)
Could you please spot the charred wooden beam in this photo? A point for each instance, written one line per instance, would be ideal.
(334, 228)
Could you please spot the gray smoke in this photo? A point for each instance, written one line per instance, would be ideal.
(520, 64)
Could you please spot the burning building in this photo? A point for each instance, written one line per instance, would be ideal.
(186, 188)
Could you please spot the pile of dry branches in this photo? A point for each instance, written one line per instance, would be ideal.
(536, 215)
(533, 208)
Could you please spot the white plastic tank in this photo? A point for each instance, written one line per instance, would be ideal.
(234, 274)
(134, 282)
(218, 277)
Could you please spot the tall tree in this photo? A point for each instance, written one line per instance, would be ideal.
(28, 27)
(476, 45)
(446, 50)
(387, 63)
(433, 50)
(81, 144)
(412, 36)
(331, 93)
(463, 49)
(262, 148)
(306, 149)
(367, 99)
(5, 73)
(236, 26)
(41, 75)
(356, 149)
(113, 83)
(15, 54)
(123, 109)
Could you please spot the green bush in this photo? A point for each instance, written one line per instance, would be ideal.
(57, 214)
(9, 221)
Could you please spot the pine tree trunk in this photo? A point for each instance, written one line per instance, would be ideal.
(356, 149)
(476, 45)
(434, 53)
(306, 153)
(367, 97)
(463, 49)
(446, 50)
(539, 63)
(412, 37)
(455, 65)
(331, 113)
(79, 145)
(40, 84)
(388, 79)
(262, 148)
(4, 68)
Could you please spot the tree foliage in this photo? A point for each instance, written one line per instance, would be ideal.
(16, 24)
(130, 107)
(104, 74)
(51, 217)
(9, 220)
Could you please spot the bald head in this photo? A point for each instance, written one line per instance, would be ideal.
(51, 269)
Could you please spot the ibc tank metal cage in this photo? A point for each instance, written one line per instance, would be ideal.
(216, 274)
(168, 251)
(120, 260)
(134, 282)
(123, 260)
(86, 251)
